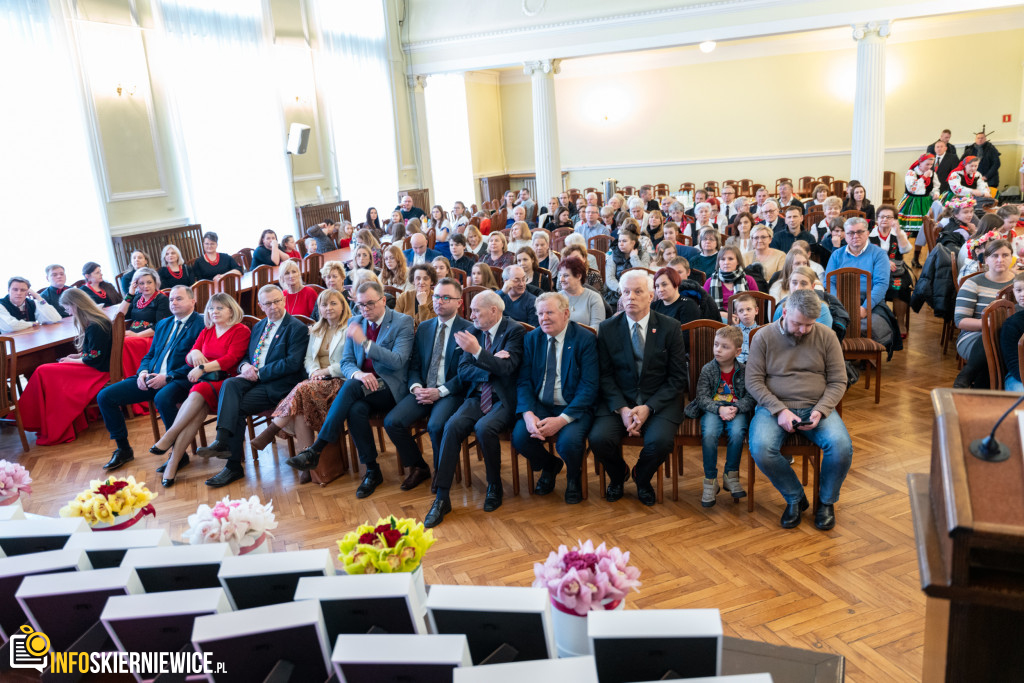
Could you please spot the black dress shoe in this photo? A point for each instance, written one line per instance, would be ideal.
(645, 493)
(546, 483)
(438, 509)
(167, 483)
(613, 492)
(370, 482)
(184, 462)
(492, 501)
(573, 492)
(791, 516)
(417, 475)
(305, 460)
(224, 477)
(121, 456)
(216, 449)
(157, 451)
(825, 517)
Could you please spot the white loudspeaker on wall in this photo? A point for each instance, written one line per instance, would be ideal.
(298, 138)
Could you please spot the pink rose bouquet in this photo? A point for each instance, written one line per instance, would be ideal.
(14, 479)
(586, 578)
(241, 523)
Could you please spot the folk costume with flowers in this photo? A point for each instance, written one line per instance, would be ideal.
(962, 184)
(920, 183)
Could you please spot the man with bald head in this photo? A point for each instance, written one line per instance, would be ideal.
(519, 303)
(408, 210)
(419, 254)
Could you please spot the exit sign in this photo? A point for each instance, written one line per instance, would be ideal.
(1007, 118)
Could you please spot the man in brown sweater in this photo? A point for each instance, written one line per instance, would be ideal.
(795, 372)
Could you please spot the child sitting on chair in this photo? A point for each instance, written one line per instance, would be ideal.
(745, 318)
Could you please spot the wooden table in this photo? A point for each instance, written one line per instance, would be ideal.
(47, 343)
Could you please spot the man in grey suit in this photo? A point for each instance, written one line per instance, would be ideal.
(377, 347)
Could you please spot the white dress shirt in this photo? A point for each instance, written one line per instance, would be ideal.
(559, 347)
(441, 389)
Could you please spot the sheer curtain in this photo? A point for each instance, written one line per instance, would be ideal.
(451, 163)
(51, 209)
(353, 73)
(215, 59)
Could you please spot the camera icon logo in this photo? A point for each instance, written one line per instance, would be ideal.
(30, 649)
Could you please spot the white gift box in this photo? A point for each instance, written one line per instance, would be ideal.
(249, 643)
(414, 658)
(159, 622)
(494, 615)
(645, 644)
(574, 669)
(260, 580)
(65, 609)
(14, 569)
(358, 602)
(177, 567)
(11, 512)
(737, 678)
(37, 535)
(108, 549)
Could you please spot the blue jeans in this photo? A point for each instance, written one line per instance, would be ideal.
(1011, 384)
(766, 437)
(711, 428)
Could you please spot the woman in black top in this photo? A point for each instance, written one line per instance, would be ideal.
(174, 272)
(148, 307)
(667, 299)
(269, 252)
(213, 265)
(139, 259)
(858, 201)
(102, 293)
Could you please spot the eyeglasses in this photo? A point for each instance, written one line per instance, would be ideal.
(268, 304)
(443, 298)
(853, 233)
(758, 238)
(369, 304)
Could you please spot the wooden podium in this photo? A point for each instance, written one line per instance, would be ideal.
(969, 526)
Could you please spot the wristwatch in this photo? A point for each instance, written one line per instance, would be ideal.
(202, 368)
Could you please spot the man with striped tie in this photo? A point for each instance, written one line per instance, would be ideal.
(491, 355)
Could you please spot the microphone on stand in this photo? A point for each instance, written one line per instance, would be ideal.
(990, 449)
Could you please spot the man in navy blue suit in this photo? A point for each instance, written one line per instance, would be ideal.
(490, 364)
(274, 365)
(435, 389)
(162, 376)
(419, 252)
(558, 384)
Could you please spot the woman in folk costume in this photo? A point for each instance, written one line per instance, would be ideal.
(917, 200)
(964, 180)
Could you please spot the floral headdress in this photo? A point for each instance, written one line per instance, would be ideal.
(958, 203)
(976, 247)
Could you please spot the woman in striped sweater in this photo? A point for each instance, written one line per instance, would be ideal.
(975, 294)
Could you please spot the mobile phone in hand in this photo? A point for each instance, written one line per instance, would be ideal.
(802, 423)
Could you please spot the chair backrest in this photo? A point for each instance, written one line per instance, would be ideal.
(853, 214)
(779, 181)
(806, 184)
(250, 321)
(8, 376)
(311, 266)
(541, 273)
(701, 337)
(526, 326)
(468, 294)
(459, 275)
(588, 328)
(931, 235)
(262, 275)
(230, 283)
(845, 283)
(648, 271)
(558, 236)
(839, 187)
(431, 238)
(698, 276)
(243, 257)
(117, 283)
(813, 217)
(686, 187)
(765, 306)
(600, 257)
(992, 319)
(394, 291)
(1006, 294)
(203, 290)
(600, 242)
(661, 190)
(305, 320)
(826, 179)
(117, 328)
(961, 280)
(497, 272)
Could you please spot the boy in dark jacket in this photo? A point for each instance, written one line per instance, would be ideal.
(722, 404)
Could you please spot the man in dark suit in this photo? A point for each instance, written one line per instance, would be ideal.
(647, 195)
(557, 387)
(642, 379)
(435, 389)
(57, 278)
(945, 161)
(162, 376)
(770, 212)
(274, 365)
(419, 254)
(377, 347)
(783, 239)
(490, 365)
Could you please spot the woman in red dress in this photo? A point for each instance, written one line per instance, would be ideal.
(298, 298)
(54, 401)
(214, 358)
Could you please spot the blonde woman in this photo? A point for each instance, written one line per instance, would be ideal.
(519, 237)
(366, 238)
(395, 271)
(298, 298)
(358, 277)
(497, 254)
(779, 289)
(417, 302)
(362, 259)
(333, 274)
(148, 307)
(302, 412)
(475, 240)
(52, 404)
(214, 357)
(173, 270)
(771, 260)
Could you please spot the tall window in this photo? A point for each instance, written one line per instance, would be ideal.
(230, 126)
(353, 74)
(50, 206)
(451, 164)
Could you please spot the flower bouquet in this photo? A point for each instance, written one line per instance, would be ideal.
(14, 481)
(112, 504)
(580, 580)
(389, 546)
(242, 524)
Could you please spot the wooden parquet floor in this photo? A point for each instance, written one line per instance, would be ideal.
(854, 591)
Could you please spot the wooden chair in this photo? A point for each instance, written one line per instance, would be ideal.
(889, 187)
(846, 215)
(1006, 294)
(779, 181)
(813, 218)
(468, 294)
(497, 272)
(117, 283)
(931, 234)
(755, 187)
(203, 290)
(857, 346)
(542, 273)
(686, 187)
(712, 187)
(600, 242)
(243, 257)
(231, 284)
(9, 389)
(558, 236)
(459, 275)
(574, 194)
(839, 188)
(992, 319)
(318, 289)
(806, 184)
(117, 329)
(744, 190)
(765, 310)
(263, 275)
(698, 276)
(431, 238)
(627, 191)
(311, 266)
(826, 179)
(949, 330)
(661, 190)
(304, 319)
(600, 257)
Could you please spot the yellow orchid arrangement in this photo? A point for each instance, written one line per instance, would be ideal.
(107, 499)
(389, 546)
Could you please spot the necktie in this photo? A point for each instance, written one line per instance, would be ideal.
(267, 331)
(486, 393)
(168, 346)
(435, 356)
(638, 348)
(550, 374)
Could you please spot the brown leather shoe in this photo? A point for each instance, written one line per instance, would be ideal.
(417, 475)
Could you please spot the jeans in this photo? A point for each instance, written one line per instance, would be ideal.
(711, 428)
(766, 437)
(1011, 384)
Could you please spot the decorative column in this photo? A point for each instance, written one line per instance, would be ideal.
(867, 158)
(546, 159)
(419, 129)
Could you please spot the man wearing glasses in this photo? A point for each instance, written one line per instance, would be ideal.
(859, 253)
(770, 213)
(435, 389)
(728, 211)
(377, 347)
(274, 364)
